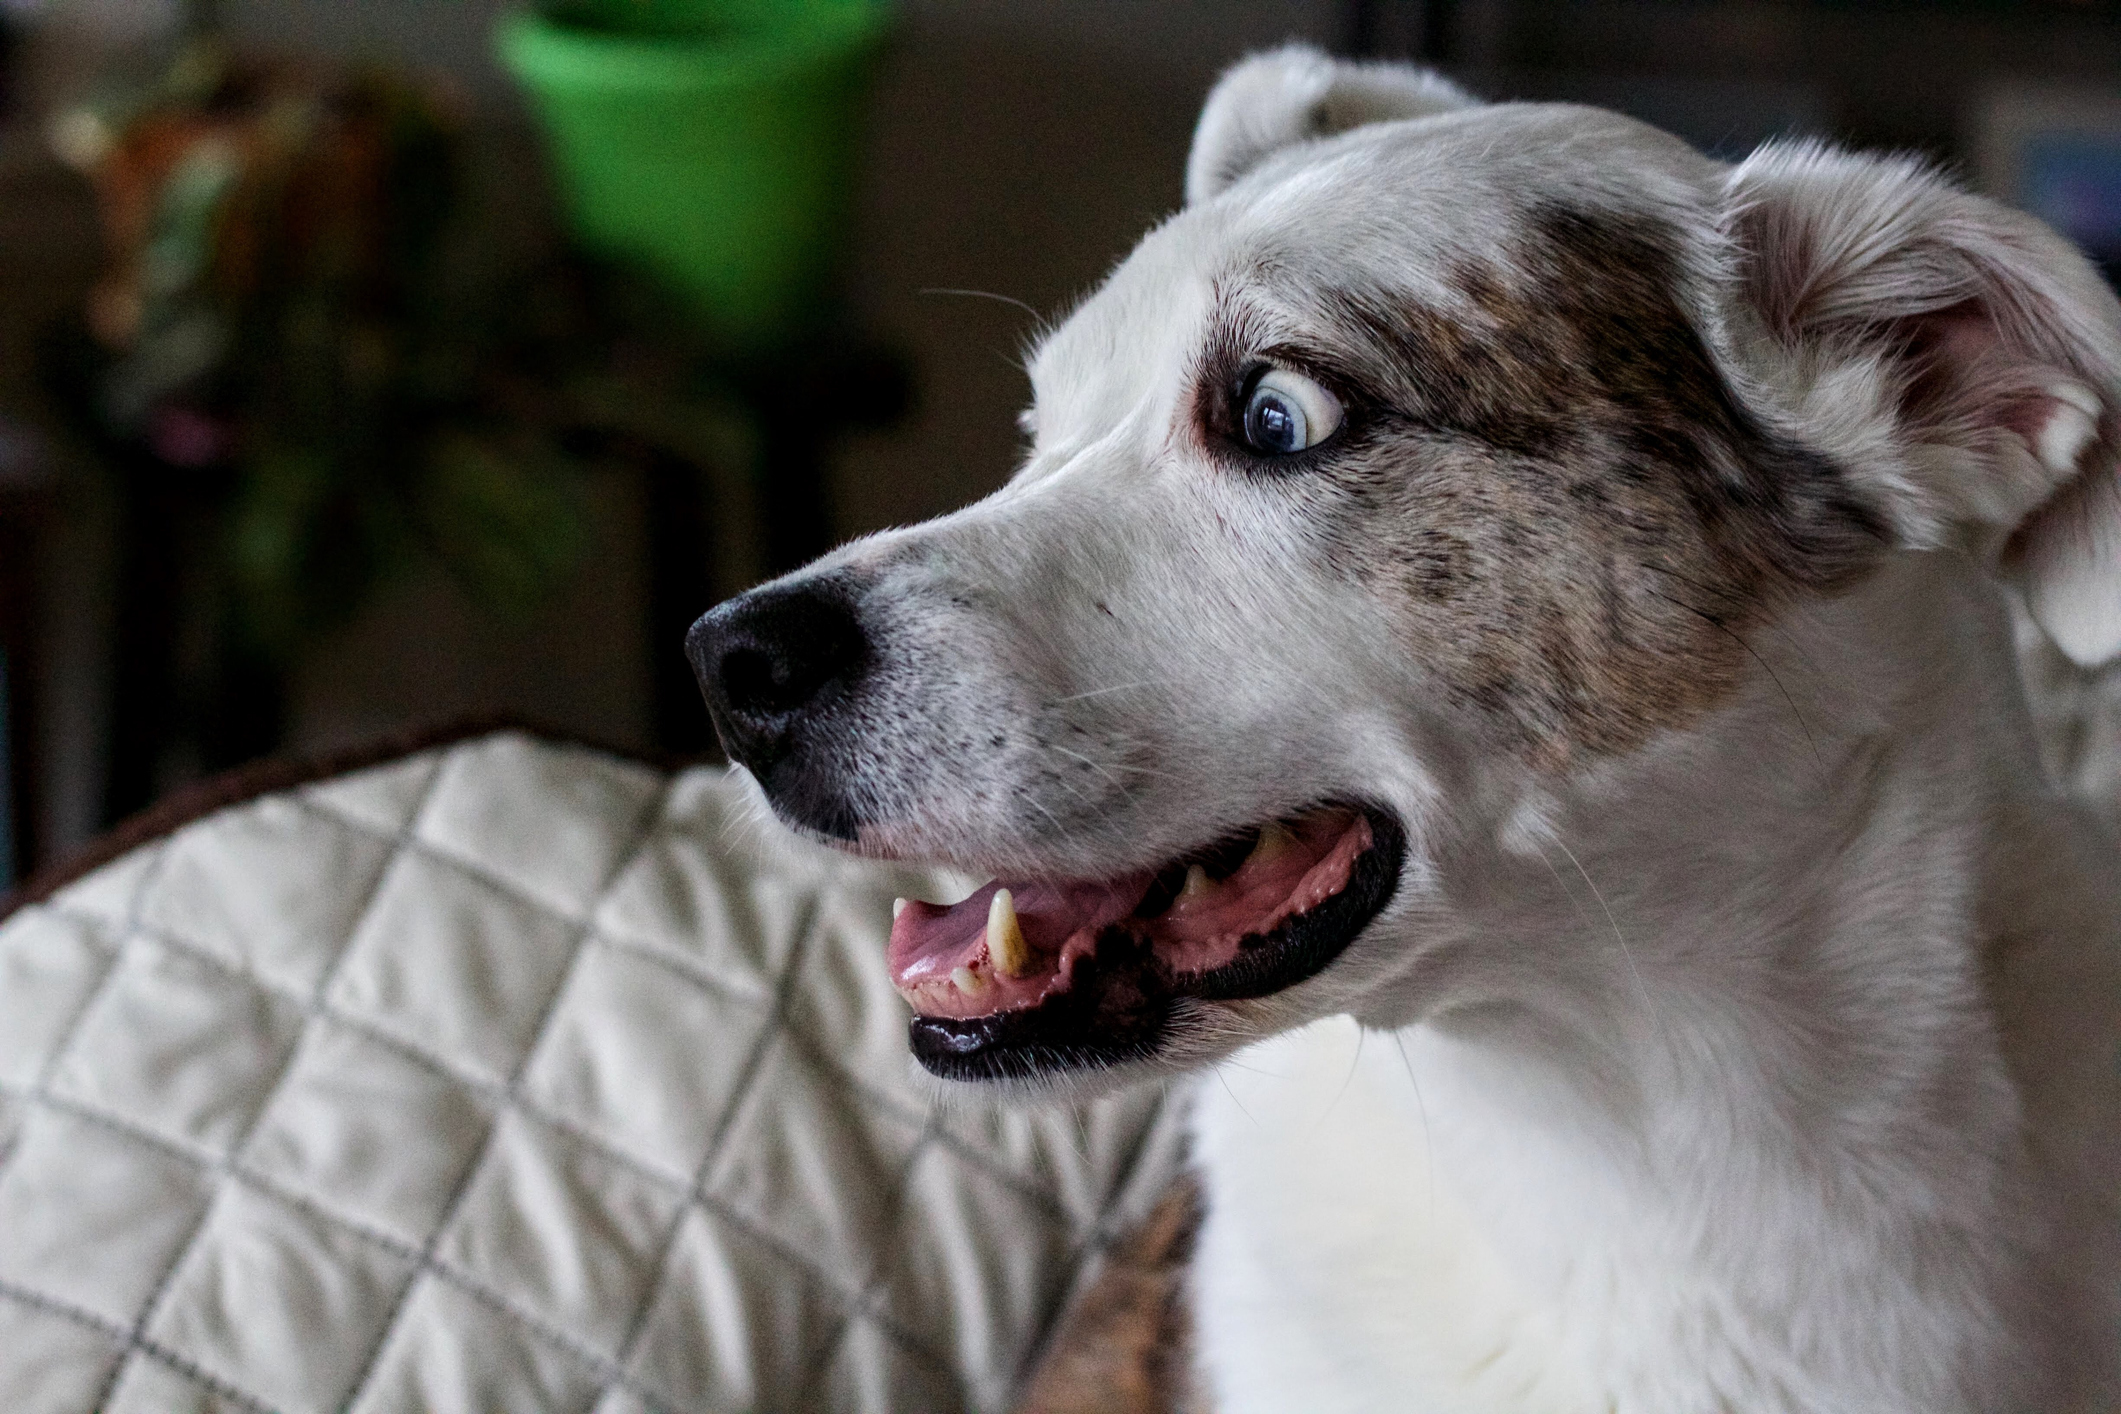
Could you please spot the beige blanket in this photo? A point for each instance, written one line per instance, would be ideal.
(512, 1076)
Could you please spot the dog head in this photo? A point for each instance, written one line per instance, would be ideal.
(1435, 451)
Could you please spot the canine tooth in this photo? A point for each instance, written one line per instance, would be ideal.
(898, 906)
(1005, 936)
(1197, 884)
(968, 981)
(1274, 841)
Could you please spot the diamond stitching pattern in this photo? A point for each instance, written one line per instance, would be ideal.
(669, 1169)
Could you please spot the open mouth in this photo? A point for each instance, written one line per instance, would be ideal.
(1024, 978)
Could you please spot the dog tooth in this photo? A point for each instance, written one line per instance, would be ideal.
(968, 981)
(1005, 936)
(898, 906)
(1197, 884)
(1274, 841)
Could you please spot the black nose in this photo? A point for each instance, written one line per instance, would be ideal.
(773, 659)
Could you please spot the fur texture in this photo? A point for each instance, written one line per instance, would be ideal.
(1745, 1032)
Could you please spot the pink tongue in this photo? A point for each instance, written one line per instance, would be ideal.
(939, 958)
(930, 940)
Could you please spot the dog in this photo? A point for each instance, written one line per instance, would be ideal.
(1498, 657)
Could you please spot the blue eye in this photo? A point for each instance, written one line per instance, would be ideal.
(1275, 426)
(1287, 412)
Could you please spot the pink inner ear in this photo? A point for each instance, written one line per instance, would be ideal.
(1963, 377)
(1969, 377)
(1971, 380)
(2004, 346)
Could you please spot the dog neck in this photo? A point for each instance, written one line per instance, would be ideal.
(1716, 1097)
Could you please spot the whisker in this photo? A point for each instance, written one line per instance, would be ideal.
(1082, 1134)
(1104, 811)
(1036, 804)
(1107, 770)
(1566, 892)
(1625, 951)
(1233, 1098)
(1773, 676)
(1577, 905)
(986, 294)
(1796, 644)
(1428, 1144)
(1354, 1064)
(1102, 691)
(1097, 766)
(1101, 808)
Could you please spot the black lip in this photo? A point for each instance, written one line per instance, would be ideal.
(1121, 1005)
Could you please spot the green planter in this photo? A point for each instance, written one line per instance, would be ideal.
(713, 143)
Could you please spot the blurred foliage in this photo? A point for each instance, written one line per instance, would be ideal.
(278, 322)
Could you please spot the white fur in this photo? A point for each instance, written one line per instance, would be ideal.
(1772, 1065)
(1834, 1132)
(1273, 100)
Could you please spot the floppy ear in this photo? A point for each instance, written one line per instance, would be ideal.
(1295, 93)
(1970, 357)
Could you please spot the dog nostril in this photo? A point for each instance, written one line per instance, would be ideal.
(770, 657)
(766, 684)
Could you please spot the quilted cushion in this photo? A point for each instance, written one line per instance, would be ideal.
(513, 1076)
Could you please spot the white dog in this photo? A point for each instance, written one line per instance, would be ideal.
(1497, 575)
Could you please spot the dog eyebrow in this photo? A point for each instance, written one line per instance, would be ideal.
(1569, 350)
(1574, 333)
(1577, 312)
(1505, 367)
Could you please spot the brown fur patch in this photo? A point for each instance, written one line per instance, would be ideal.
(1125, 1347)
(1569, 512)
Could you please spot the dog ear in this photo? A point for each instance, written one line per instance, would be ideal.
(1295, 93)
(1981, 351)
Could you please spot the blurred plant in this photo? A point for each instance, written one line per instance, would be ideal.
(276, 321)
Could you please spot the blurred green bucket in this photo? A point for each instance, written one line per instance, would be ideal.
(711, 141)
